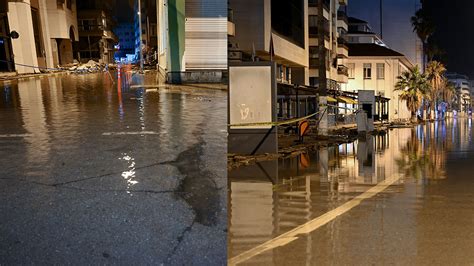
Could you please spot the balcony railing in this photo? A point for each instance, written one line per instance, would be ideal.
(91, 27)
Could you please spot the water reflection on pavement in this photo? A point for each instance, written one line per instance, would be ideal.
(423, 218)
(94, 171)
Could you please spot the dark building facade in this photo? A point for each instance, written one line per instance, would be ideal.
(95, 22)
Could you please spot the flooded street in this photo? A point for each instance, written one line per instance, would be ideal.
(402, 198)
(95, 171)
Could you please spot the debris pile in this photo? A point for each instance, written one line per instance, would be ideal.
(90, 67)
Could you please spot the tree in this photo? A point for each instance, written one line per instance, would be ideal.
(413, 85)
(448, 92)
(434, 72)
(423, 27)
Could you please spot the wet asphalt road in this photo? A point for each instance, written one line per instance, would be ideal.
(89, 175)
(425, 218)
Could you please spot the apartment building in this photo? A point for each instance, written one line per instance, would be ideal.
(335, 29)
(462, 100)
(95, 22)
(47, 34)
(192, 40)
(272, 30)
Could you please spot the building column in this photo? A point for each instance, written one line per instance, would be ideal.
(24, 49)
(176, 23)
(45, 33)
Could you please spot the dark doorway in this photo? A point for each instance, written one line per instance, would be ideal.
(6, 55)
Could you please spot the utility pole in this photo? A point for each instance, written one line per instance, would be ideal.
(381, 19)
(322, 87)
(140, 34)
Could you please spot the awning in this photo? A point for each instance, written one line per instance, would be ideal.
(347, 100)
(331, 99)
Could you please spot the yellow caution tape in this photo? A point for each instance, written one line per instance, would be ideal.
(279, 123)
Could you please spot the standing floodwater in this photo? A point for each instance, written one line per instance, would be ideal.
(423, 217)
(95, 170)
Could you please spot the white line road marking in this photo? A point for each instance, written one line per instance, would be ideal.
(15, 135)
(314, 224)
(130, 133)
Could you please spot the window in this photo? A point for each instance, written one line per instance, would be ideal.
(60, 3)
(87, 24)
(381, 71)
(367, 71)
(69, 4)
(351, 70)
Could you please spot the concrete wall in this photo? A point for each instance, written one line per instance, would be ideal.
(61, 20)
(386, 86)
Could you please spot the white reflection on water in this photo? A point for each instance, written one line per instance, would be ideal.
(129, 175)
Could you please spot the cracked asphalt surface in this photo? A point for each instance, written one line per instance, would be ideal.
(93, 176)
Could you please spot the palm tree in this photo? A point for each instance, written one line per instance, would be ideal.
(423, 27)
(448, 91)
(434, 73)
(413, 85)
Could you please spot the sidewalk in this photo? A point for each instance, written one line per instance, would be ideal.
(7, 76)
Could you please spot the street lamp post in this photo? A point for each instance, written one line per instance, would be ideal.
(140, 34)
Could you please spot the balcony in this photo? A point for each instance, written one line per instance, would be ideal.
(313, 29)
(342, 51)
(341, 15)
(89, 27)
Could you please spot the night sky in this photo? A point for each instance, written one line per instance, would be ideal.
(454, 33)
(124, 10)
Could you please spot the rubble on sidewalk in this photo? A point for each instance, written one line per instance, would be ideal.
(90, 67)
